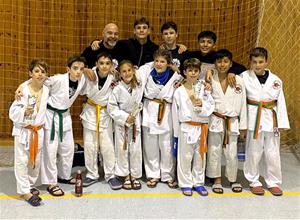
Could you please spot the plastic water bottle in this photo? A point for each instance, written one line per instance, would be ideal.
(78, 184)
(241, 148)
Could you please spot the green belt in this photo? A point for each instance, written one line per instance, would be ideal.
(60, 117)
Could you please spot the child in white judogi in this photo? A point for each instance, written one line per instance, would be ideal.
(98, 125)
(57, 156)
(157, 121)
(267, 115)
(29, 115)
(229, 117)
(191, 106)
(59, 143)
(124, 106)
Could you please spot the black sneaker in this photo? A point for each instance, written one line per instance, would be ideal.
(88, 181)
(115, 183)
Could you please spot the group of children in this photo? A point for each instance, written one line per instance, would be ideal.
(171, 121)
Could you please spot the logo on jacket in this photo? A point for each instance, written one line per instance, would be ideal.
(238, 89)
(276, 85)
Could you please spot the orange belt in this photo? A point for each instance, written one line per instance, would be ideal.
(98, 111)
(133, 136)
(34, 142)
(161, 110)
(203, 136)
(227, 125)
(260, 105)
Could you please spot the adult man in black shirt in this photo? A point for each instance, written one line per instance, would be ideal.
(109, 44)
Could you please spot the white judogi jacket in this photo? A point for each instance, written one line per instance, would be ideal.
(121, 103)
(59, 99)
(16, 114)
(150, 108)
(271, 90)
(232, 104)
(100, 97)
(182, 111)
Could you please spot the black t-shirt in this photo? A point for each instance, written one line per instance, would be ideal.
(117, 53)
(101, 81)
(262, 79)
(72, 87)
(178, 58)
(236, 68)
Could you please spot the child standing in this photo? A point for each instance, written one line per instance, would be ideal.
(124, 106)
(98, 125)
(226, 123)
(29, 115)
(192, 105)
(157, 121)
(58, 153)
(267, 115)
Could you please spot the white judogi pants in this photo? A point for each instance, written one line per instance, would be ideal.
(106, 149)
(26, 176)
(266, 146)
(133, 164)
(158, 159)
(57, 157)
(214, 156)
(190, 166)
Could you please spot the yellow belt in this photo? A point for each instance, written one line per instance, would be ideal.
(98, 111)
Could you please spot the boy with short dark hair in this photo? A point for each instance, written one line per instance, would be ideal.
(267, 116)
(169, 35)
(207, 41)
(228, 121)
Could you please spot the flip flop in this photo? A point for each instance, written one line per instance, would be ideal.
(151, 183)
(201, 190)
(172, 184)
(34, 191)
(127, 184)
(136, 185)
(236, 187)
(34, 200)
(187, 191)
(54, 189)
(217, 188)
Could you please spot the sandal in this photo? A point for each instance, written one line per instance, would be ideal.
(257, 190)
(34, 200)
(54, 189)
(201, 190)
(34, 191)
(127, 184)
(276, 191)
(71, 181)
(136, 185)
(151, 183)
(172, 184)
(217, 188)
(236, 187)
(187, 191)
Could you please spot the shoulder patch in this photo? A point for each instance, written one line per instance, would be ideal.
(276, 84)
(238, 89)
